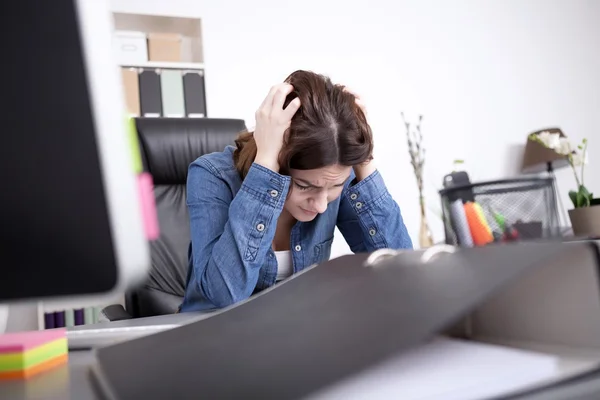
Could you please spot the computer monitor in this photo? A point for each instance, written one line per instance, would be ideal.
(70, 216)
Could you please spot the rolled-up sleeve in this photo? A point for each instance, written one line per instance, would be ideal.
(369, 218)
(231, 235)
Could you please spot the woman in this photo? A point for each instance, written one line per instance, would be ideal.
(268, 208)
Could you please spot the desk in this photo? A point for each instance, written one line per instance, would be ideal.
(73, 381)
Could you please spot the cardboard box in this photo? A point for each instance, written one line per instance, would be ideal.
(169, 47)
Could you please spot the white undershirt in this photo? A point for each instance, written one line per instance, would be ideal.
(285, 268)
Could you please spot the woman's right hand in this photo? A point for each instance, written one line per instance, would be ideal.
(271, 123)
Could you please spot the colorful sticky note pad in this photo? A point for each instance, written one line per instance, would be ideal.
(24, 354)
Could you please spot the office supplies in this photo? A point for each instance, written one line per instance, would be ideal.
(358, 316)
(171, 86)
(79, 316)
(195, 96)
(69, 318)
(93, 338)
(150, 93)
(49, 320)
(59, 319)
(460, 224)
(131, 87)
(25, 354)
(448, 369)
(478, 226)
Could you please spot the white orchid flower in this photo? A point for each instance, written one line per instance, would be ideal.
(564, 147)
(577, 160)
(550, 140)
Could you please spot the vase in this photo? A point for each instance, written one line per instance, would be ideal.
(585, 221)
(425, 236)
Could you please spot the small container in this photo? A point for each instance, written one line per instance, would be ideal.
(130, 47)
(508, 210)
(171, 47)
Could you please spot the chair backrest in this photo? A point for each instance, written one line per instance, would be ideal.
(168, 146)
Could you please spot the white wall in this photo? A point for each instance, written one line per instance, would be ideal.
(483, 73)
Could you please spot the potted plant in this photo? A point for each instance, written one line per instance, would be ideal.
(585, 215)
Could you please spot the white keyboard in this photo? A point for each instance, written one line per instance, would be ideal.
(91, 338)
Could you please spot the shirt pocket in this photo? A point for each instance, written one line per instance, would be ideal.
(322, 251)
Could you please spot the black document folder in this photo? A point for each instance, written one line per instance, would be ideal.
(323, 325)
(150, 93)
(195, 95)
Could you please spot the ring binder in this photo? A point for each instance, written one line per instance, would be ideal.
(381, 255)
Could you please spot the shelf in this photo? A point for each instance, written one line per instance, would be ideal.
(166, 64)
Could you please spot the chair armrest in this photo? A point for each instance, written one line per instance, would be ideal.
(114, 312)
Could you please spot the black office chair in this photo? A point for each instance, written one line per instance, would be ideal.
(168, 146)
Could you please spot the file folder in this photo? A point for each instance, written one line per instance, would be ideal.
(171, 85)
(131, 87)
(195, 97)
(150, 93)
(336, 320)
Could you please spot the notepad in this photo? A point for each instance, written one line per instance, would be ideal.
(449, 369)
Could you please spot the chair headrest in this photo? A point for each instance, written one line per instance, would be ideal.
(169, 145)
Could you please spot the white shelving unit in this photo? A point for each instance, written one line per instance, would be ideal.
(166, 65)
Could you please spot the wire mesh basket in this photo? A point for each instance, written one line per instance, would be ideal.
(500, 211)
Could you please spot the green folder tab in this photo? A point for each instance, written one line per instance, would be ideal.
(134, 145)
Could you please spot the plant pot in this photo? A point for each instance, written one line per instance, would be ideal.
(585, 221)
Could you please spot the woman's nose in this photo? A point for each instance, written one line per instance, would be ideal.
(321, 203)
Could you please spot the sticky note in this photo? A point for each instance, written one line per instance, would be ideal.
(134, 147)
(148, 206)
(25, 354)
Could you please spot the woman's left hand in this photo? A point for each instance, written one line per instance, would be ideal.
(365, 169)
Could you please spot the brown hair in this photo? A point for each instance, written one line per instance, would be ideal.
(329, 128)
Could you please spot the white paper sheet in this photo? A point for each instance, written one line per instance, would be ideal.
(449, 369)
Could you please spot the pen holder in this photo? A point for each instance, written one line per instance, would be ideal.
(500, 211)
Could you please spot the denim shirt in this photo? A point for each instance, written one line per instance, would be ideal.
(233, 224)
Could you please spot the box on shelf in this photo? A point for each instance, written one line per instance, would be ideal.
(169, 47)
(130, 47)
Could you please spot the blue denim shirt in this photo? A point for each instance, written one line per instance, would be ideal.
(233, 224)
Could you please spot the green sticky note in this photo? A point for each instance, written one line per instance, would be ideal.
(134, 147)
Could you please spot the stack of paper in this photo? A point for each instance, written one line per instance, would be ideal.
(449, 369)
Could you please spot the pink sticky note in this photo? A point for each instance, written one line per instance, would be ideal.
(148, 204)
(22, 341)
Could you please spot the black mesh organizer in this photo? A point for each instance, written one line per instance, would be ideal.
(500, 211)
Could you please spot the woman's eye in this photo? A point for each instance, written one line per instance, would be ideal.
(302, 187)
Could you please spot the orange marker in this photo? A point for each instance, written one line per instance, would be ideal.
(480, 230)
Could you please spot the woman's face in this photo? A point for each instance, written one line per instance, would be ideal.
(311, 190)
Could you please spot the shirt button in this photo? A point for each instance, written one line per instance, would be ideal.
(372, 232)
(353, 196)
(274, 193)
(298, 247)
(260, 227)
(358, 205)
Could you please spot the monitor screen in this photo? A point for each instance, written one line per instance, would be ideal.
(70, 215)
